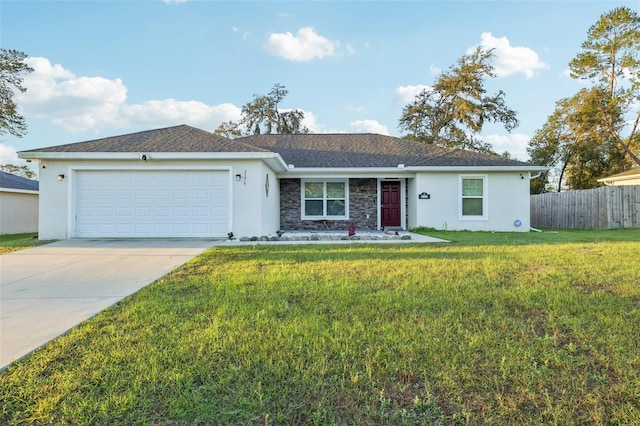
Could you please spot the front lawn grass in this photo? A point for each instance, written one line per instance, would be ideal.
(547, 236)
(15, 242)
(455, 333)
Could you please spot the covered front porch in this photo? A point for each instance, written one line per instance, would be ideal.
(370, 204)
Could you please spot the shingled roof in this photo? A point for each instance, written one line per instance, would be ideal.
(181, 138)
(313, 150)
(9, 181)
(368, 150)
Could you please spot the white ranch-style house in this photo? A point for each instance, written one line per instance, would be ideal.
(185, 182)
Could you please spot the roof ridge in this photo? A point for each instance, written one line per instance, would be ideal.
(319, 134)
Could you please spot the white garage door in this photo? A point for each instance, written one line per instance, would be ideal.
(152, 203)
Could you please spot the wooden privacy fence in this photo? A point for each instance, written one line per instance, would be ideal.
(609, 207)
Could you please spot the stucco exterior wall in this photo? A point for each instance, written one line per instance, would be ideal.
(254, 213)
(18, 212)
(507, 201)
(412, 203)
(271, 218)
(250, 213)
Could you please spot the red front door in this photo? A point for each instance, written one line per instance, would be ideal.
(391, 214)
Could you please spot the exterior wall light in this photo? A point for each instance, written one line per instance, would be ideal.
(61, 177)
(424, 196)
(238, 177)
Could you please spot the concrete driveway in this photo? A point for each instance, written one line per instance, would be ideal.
(47, 290)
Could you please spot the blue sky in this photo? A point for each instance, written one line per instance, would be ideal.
(106, 68)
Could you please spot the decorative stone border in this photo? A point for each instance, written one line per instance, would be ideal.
(326, 236)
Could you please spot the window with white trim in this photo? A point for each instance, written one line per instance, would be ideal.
(473, 197)
(325, 199)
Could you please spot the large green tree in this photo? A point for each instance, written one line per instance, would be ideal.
(12, 70)
(453, 113)
(595, 132)
(576, 144)
(261, 115)
(610, 59)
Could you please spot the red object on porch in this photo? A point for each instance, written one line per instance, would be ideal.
(352, 229)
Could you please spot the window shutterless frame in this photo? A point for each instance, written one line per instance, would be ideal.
(324, 199)
(472, 196)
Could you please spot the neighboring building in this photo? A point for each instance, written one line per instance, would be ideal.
(186, 182)
(18, 204)
(630, 177)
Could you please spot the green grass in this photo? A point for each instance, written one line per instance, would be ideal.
(547, 236)
(15, 242)
(458, 333)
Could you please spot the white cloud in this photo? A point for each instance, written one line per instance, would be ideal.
(8, 155)
(92, 103)
(174, 1)
(510, 59)
(515, 143)
(407, 94)
(310, 121)
(235, 29)
(170, 111)
(434, 70)
(368, 126)
(306, 45)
